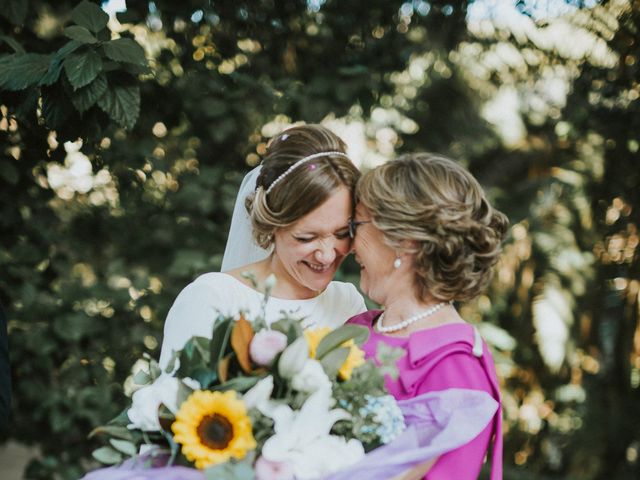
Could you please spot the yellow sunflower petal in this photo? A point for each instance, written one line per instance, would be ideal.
(221, 415)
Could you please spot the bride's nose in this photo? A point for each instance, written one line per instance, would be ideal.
(326, 252)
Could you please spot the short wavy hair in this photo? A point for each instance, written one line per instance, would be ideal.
(305, 188)
(428, 205)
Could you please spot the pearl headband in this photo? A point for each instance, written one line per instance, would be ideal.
(300, 162)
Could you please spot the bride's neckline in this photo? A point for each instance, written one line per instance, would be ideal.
(279, 299)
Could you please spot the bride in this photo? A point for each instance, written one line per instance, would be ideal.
(291, 220)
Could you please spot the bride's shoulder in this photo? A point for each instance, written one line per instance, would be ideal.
(211, 281)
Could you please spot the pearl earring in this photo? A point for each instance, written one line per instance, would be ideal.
(397, 263)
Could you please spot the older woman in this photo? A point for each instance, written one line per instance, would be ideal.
(426, 237)
(299, 211)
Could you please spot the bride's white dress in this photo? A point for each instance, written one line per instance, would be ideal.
(198, 305)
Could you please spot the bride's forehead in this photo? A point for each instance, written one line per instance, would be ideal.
(333, 213)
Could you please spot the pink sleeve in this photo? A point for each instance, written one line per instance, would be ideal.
(459, 370)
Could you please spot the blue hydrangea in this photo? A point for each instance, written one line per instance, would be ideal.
(389, 422)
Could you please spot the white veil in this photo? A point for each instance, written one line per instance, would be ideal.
(241, 248)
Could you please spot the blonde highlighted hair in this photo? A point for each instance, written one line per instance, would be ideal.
(303, 189)
(431, 207)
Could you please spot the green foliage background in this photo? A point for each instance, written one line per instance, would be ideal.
(171, 104)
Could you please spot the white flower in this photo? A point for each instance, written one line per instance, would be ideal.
(293, 358)
(145, 402)
(192, 383)
(311, 378)
(302, 438)
(259, 395)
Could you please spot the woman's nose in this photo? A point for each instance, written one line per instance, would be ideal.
(326, 251)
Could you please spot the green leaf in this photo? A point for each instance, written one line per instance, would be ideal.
(21, 70)
(337, 337)
(125, 50)
(141, 378)
(90, 16)
(56, 107)
(112, 430)
(122, 104)
(15, 11)
(230, 471)
(238, 384)
(124, 446)
(9, 173)
(107, 455)
(82, 68)
(333, 361)
(81, 34)
(12, 43)
(75, 326)
(55, 67)
(220, 340)
(84, 98)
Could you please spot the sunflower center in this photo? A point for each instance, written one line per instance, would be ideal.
(215, 431)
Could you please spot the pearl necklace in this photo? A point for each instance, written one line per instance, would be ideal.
(405, 323)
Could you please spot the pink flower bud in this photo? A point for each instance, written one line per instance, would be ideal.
(266, 344)
(268, 470)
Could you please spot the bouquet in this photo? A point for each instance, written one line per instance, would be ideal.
(263, 402)
(256, 401)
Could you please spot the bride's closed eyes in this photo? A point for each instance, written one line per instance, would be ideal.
(341, 234)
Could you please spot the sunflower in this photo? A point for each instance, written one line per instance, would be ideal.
(354, 359)
(212, 427)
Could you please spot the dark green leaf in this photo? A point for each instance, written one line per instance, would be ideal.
(75, 325)
(14, 10)
(82, 68)
(220, 340)
(239, 384)
(107, 455)
(340, 335)
(122, 104)
(12, 43)
(333, 361)
(9, 173)
(125, 50)
(81, 34)
(21, 70)
(112, 430)
(90, 16)
(55, 67)
(86, 97)
(56, 107)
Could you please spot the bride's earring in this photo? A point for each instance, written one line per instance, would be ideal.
(397, 263)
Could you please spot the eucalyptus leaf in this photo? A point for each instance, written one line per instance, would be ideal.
(124, 446)
(333, 361)
(230, 471)
(107, 455)
(337, 337)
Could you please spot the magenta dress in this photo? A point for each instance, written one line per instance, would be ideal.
(437, 359)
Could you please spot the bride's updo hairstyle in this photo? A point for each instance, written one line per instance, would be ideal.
(429, 206)
(284, 196)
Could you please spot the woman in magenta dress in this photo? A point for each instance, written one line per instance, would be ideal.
(426, 237)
